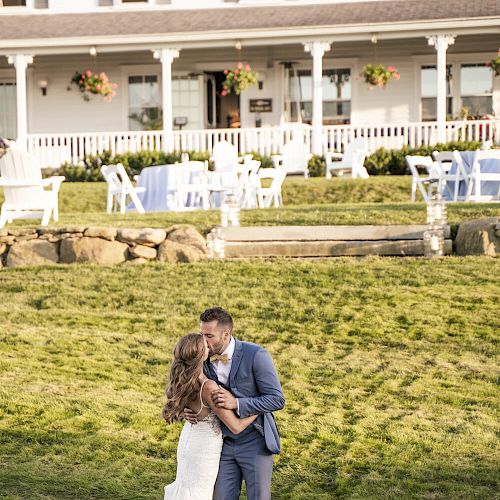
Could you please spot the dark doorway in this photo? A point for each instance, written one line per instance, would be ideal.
(221, 111)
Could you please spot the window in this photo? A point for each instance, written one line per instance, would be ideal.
(186, 95)
(144, 103)
(13, 3)
(336, 96)
(8, 106)
(428, 81)
(476, 89)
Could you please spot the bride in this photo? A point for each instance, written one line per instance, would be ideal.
(200, 445)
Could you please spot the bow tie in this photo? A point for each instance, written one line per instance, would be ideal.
(219, 357)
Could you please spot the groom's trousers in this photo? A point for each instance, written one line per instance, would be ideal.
(245, 458)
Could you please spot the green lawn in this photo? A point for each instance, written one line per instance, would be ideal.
(377, 200)
(389, 367)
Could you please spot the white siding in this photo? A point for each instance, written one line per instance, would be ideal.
(392, 104)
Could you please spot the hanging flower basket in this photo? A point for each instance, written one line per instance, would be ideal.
(238, 79)
(94, 83)
(494, 64)
(379, 76)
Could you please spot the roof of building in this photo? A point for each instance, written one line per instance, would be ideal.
(144, 22)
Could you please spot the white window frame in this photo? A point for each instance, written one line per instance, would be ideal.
(307, 64)
(456, 61)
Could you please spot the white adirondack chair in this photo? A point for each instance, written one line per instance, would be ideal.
(417, 181)
(271, 194)
(294, 159)
(23, 186)
(351, 162)
(119, 187)
(226, 163)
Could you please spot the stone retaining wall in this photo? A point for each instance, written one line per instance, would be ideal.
(100, 245)
(183, 243)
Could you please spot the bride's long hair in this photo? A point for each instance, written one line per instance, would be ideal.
(189, 355)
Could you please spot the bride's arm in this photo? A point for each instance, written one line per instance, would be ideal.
(233, 422)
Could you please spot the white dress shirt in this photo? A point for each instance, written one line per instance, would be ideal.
(223, 369)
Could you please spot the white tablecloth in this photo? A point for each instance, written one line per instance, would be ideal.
(488, 188)
(156, 181)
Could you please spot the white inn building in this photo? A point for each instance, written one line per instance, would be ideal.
(168, 58)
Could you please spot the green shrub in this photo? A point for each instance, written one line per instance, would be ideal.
(393, 162)
(317, 166)
(381, 162)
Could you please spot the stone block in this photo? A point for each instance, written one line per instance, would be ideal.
(32, 253)
(107, 233)
(327, 248)
(478, 237)
(21, 232)
(171, 251)
(187, 235)
(93, 250)
(142, 251)
(27, 237)
(148, 236)
(9, 240)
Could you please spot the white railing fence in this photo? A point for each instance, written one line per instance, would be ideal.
(54, 149)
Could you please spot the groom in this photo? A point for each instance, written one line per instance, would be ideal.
(249, 386)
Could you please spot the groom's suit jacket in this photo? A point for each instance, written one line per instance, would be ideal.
(254, 382)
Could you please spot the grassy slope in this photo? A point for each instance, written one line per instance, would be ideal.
(388, 365)
(378, 200)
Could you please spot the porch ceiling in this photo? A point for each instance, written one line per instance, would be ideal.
(194, 59)
(114, 31)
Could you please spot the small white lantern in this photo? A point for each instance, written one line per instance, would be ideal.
(230, 211)
(436, 210)
(434, 242)
(215, 244)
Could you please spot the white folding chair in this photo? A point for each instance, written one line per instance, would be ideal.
(444, 159)
(192, 188)
(23, 186)
(477, 176)
(351, 161)
(294, 159)
(272, 193)
(449, 178)
(248, 183)
(417, 181)
(119, 188)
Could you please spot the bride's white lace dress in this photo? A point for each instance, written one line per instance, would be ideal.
(198, 456)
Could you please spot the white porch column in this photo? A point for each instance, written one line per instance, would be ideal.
(441, 44)
(317, 49)
(166, 57)
(21, 61)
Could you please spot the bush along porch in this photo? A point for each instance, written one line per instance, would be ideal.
(381, 162)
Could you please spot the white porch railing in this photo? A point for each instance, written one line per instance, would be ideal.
(54, 149)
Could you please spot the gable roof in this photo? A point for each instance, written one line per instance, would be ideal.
(223, 20)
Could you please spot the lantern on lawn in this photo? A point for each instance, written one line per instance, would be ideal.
(215, 244)
(434, 242)
(230, 211)
(436, 210)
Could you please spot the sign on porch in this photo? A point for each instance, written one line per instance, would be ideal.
(261, 105)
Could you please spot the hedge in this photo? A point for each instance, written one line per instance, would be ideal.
(381, 162)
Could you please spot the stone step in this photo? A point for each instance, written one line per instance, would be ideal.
(326, 233)
(236, 249)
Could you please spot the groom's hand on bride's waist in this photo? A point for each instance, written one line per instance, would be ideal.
(224, 399)
(189, 415)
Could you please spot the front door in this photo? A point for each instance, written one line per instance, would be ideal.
(221, 111)
(8, 116)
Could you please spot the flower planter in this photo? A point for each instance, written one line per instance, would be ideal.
(238, 79)
(94, 83)
(379, 76)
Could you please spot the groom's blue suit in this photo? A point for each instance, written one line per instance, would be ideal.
(249, 455)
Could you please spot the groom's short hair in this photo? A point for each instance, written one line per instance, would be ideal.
(218, 314)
